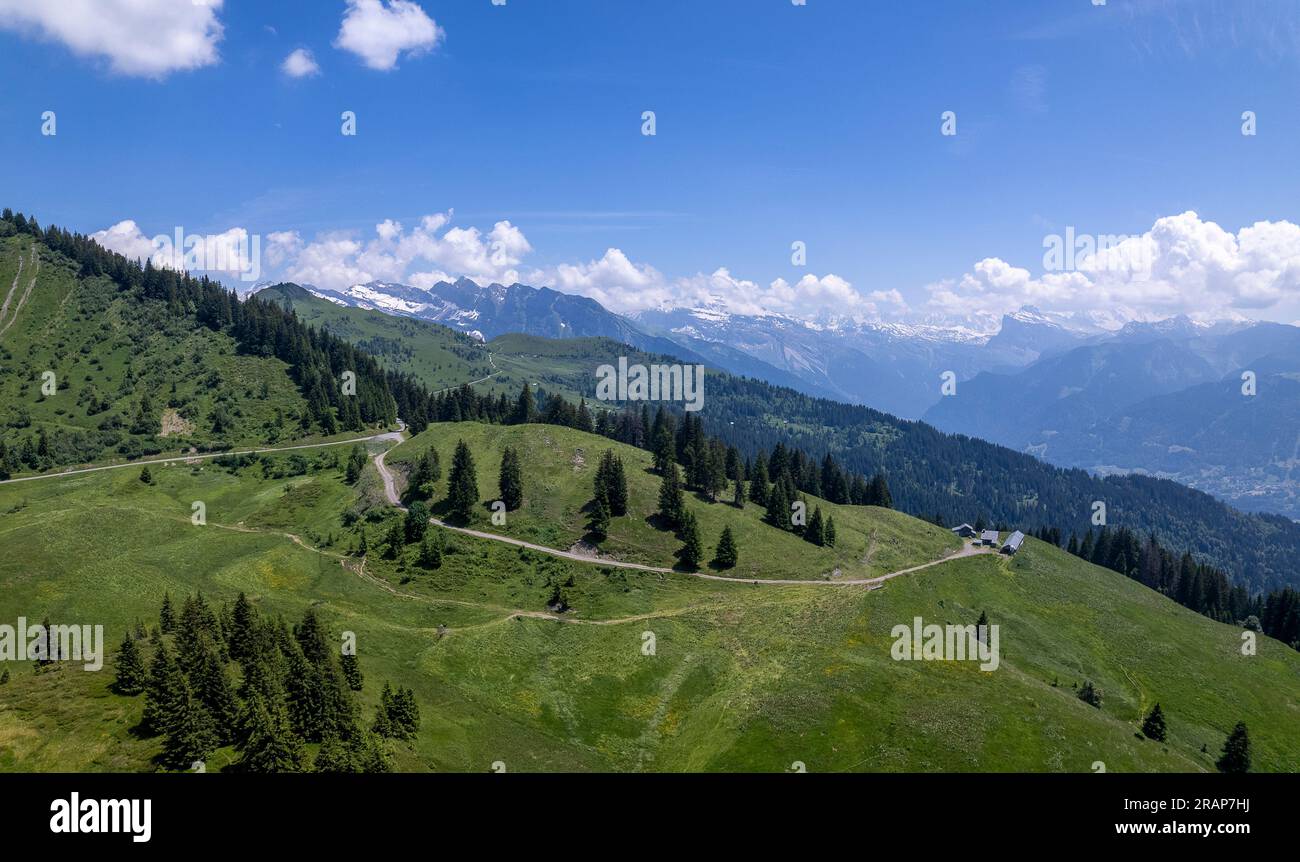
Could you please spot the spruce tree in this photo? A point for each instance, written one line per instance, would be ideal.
(268, 743)
(671, 504)
(162, 692)
(726, 555)
(416, 523)
(511, 480)
(1236, 751)
(692, 550)
(428, 471)
(758, 481)
(242, 629)
(599, 526)
(145, 476)
(351, 668)
(829, 535)
(131, 674)
(778, 506)
(1154, 725)
(356, 463)
(1090, 695)
(815, 531)
(525, 407)
(430, 552)
(191, 734)
(167, 616)
(462, 484)
(738, 496)
(396, 539)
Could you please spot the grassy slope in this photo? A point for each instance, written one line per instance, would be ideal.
(90, 335)
(743, 677)
(437, 355)
(558, 488)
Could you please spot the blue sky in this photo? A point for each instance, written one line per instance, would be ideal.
(775, 123)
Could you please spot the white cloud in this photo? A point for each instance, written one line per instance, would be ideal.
(232, 253)
(147, 38)
(422, 255)
(380, 31)
(300, 64)
(1182, 265)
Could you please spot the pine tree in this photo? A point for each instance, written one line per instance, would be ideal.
(131, 675)
(879, 492)
(1236, 751)
(778, 506)
(525, 407)
(462, 484)
(428, 471)
(356, 463)
(599, 526)
(671, 504)
(268, 743)
(1090, 695)
(242, 629)
(758, 481)
(511, 482)
(146, 476)
(167, 617)
(692, 550)
(726, 555)
(162, 693)
(815, 531)
(829, 535)
(430, 552)
(616, 487)
(396, 539)
(351, 668)
(738, 496)
(1154, 725)
(191, 733)
(416, 523)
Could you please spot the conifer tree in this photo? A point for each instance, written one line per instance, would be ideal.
(726, 554)
(829, 535)
(1090, 695)
(430, 552)
(191, 733)
(462, 484)
(778, 506)
(1153, 727)
(1236, 751)
(351, 668)
(525, 407)
(146, 476)
(738, 495)
(131, 674)
(242, 628)
(511, 481)
(162, 693)
(416, 523)
(599, 526)
(815, 530)
(396, 539)
(356, 463)
(758, 481)
(428, 471)
(692, 550)
(671, 504)
(268, 743)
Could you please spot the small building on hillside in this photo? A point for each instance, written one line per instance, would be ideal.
(966, 531)
(1014, 541)
(989, 537)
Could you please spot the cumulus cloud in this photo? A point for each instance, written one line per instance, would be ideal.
(234, 253)
(1182, 265)
(300, 64)
(380, 31)
(147, 38)
(422, 255)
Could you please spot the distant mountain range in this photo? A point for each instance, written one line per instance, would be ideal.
(1160, 397)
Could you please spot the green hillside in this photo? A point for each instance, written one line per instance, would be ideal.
(743, 677)
(109, 353)
(435, 355)
(558, 487)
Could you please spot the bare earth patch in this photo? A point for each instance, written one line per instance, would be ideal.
(175, 423)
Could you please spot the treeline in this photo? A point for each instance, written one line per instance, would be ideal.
(290, 689)
(1194, 585)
